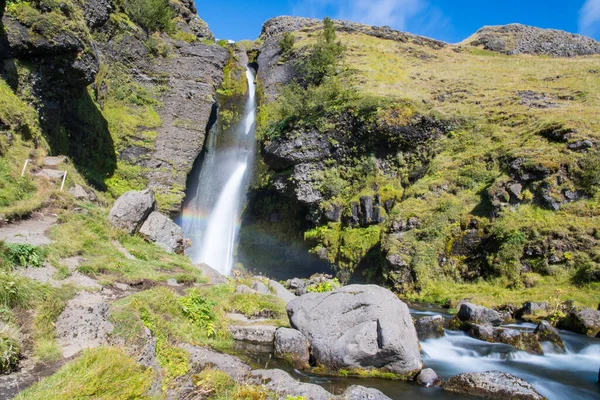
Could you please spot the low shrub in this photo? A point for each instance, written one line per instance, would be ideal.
(24, 255)
(589, 173)
(286, 44)
(152, 15)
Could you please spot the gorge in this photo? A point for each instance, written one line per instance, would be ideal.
(331, 211)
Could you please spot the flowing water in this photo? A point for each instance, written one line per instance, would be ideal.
(557, 376)
(216, 187)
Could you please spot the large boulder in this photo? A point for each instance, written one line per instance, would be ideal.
(475, 314)
(358, 326)
(492, 385)
(131, 210)
(583, 320)
(293, 345)
(161, 230)
(281, 291)
(430, 327)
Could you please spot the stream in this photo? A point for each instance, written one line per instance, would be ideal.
(572, 375)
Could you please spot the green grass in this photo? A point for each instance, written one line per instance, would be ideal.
(10, 348)
(495, 293)
(475, 95)
(47, 311)
(90, 235)
(103, 374)
(217, 385)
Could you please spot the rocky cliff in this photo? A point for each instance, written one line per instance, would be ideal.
(144, 118)
(521, 39)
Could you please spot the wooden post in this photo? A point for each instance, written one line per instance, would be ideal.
(24, 167)
(63, 181)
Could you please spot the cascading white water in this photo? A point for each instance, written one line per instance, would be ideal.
(218, 244)
(212, 211)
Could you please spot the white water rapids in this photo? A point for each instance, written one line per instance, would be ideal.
(210, 218)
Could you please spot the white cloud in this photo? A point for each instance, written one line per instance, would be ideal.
(589, 18)
(394, 13)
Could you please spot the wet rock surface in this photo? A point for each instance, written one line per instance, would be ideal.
(584, 321)
(472, 313)
(429, 378)
(492, 385)
(525, 341)
(358, 326)
(292, 344)
(547, 333)
(430, 327)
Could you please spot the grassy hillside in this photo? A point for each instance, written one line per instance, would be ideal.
(504, 117)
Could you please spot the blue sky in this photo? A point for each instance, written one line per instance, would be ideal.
(448, 20)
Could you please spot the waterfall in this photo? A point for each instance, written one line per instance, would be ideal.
(211, 213)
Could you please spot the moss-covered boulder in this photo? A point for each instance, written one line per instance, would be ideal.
(583, 320)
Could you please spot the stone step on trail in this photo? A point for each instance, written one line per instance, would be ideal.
(83, 324)
(33, 231)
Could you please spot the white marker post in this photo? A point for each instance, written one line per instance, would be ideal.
(63, 181)
(24, 167)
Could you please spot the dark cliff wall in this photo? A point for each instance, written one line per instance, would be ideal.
(130, 106)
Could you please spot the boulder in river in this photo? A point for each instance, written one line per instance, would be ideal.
(525, 341)
(475, 314)
(358, 327)
(430, 327)
(547, 333)
(131, 210)
(429, 378)
(583, 320)
(492, 385)
(161, 230)
(293, 345)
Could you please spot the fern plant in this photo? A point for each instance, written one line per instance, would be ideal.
(199, 311)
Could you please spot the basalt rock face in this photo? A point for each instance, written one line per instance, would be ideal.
(186, 80)
(521, 39)
(298, 158)
(48, 56)
(273, 73)
(358, 327)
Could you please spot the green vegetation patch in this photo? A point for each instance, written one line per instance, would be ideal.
(102, 373)
(89, 234)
